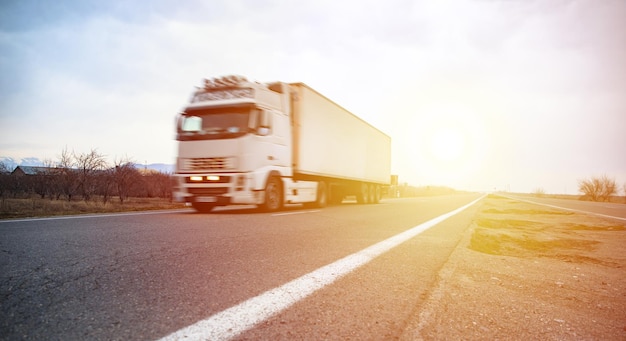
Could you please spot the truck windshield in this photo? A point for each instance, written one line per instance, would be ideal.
(210, 124)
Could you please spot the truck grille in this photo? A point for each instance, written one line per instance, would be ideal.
(208, 163)
(209, 191)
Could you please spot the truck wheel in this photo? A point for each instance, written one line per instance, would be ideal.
(202, 207)
(378, 194)
(362, 197)
(273, 195)
(372, 194)
(322, 195)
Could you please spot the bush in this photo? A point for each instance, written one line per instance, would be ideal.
(598, 188)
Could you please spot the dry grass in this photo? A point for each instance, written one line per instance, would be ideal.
(37, 207)
(612, 199)
(514, 228)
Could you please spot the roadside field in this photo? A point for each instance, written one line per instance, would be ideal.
(37, 207)
(525, 271)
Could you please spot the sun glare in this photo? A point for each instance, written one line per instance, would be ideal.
(449, 143)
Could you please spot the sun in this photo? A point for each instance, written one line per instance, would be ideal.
(446, 143)
(450, 141)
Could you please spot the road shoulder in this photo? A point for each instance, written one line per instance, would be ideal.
(526, 271)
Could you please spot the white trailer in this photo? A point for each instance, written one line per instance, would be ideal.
(271, 144)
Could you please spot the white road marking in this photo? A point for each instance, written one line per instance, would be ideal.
(237, 319)
(565, 208)
(291, 213)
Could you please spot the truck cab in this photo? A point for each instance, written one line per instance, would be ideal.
(234, 145)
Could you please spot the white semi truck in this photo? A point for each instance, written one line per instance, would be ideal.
(270, 144)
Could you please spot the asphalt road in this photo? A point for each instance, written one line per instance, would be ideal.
(603, 209)
(145, 276)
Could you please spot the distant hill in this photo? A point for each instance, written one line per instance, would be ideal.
(11, 164)
(159, 167)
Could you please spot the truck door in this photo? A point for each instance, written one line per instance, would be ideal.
(273, 129)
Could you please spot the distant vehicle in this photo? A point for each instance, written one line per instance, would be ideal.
(270, 144)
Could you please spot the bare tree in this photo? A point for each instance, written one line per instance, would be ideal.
(598, 188)
(125, 176)
(158, 184)
(87, 167)
(39, 182)
(106, 184)
(67, 174)
(5, 180)
(609, 188)
(44, 179)
(53, 180)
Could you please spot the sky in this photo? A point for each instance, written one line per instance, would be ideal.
(516, 95)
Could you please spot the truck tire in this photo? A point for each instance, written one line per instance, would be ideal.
(273, 195)
(322, 195)
(378, 194)
(371, 194)
(362, 197)
(202, 207)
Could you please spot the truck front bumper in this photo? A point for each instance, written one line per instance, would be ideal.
(221, 189)
(250, 198)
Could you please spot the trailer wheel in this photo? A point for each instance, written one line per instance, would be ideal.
(322, 195)
(378, 194)
(372, 194)
(362, 197)
(273, 195)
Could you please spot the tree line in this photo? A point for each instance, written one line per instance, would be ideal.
(87, 176)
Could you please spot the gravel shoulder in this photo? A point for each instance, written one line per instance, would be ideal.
(524, 271)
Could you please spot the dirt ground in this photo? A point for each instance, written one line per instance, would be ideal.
(530, 272)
